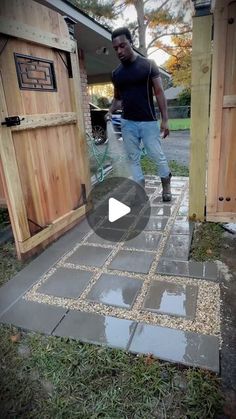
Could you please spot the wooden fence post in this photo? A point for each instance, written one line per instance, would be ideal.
(200, 99)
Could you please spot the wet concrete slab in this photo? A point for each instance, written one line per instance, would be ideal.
(89, 256)
(145, 241)
(158, 201)
(150, 191)
(177, 346)
(182, 227)
(97, 329)
(132, 261)
(66, 283)
(183, 210)
(192, 269)
(97, 236)
(115, 290)
(30, 315)
(172, 299)
(177, 247)
(161, 210)
(156, 224)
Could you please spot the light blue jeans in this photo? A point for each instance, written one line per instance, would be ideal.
(149, 132)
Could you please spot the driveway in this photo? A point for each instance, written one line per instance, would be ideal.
(177, 147)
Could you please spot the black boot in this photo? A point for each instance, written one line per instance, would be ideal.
(166, 190)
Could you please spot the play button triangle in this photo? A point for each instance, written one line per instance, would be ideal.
(116, 210)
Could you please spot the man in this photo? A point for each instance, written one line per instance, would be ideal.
(134, 81)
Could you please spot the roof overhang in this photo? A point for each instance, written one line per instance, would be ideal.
(95, 41)
(92, 38)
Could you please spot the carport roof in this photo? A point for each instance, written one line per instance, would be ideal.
(93, 39)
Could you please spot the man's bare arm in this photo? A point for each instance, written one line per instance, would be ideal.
(115, 105)
(161, 100)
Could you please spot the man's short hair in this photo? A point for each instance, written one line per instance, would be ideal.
(122, 31)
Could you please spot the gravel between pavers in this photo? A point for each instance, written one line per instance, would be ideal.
(207, 319)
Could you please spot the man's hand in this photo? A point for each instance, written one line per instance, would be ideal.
(108, 116)
(165, 129)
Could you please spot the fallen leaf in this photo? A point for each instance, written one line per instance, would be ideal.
(209, 251)
(149, 359)
(15, 338)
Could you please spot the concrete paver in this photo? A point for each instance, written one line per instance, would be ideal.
(34, 316)
(132, 261)
(68, 283)
(177, 247)
(94, 328)
(177, 346)
(89, 256)
(172, 299)
(115, 290)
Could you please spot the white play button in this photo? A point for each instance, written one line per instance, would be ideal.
(116, 210)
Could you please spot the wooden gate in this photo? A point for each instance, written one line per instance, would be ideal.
(43, 158)
(221, 183)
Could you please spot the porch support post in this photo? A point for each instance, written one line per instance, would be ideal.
(200, 100)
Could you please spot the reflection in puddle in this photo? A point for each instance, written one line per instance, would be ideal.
(173, 299)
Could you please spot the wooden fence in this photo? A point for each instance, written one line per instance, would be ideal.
(213, 127)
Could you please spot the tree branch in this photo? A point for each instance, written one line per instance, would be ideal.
(166, 34)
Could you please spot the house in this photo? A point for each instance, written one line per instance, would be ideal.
(172, 95)
(174, 109)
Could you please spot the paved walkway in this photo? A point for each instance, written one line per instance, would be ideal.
(141, 295)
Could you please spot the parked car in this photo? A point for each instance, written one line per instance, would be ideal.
(99, 123)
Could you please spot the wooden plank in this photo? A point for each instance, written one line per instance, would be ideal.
(222, 217)
(2, 193)
(229, 101)
(45, 120)
(217, 94)
(32, 34)
(227, 166)
(53, 228)
(201, 71)
(219, 4)
(10, 177)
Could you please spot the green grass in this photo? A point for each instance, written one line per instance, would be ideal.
(149, 167)
(9, 264)
(4, 217)
(179, 124)
(49, 377)
(207, 242)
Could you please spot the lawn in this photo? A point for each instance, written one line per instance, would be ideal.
(49, 377)
(179, 124)
(149, 167)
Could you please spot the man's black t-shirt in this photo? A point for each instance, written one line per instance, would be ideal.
(133, 85)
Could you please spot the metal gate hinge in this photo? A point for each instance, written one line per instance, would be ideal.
(11, 121)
